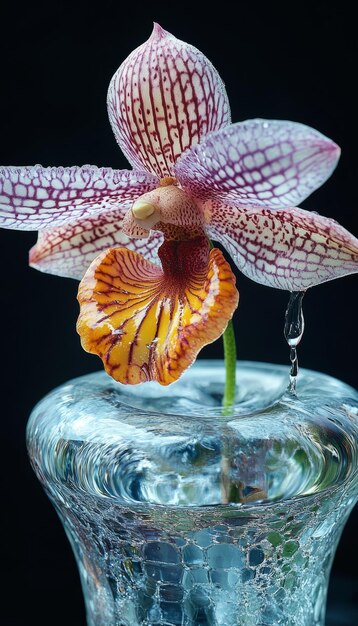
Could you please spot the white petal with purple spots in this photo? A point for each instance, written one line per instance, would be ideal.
(258, 163)
(35, 197)
(285, 248)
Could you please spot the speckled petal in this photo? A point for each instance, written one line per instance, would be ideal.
(285, 248)
(165, 97)
(258, 163)
(68, 250)
(149, 323)
(36, 197)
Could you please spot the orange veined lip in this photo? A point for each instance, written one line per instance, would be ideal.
(149, 323)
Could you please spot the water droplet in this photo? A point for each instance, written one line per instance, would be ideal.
(293, 331)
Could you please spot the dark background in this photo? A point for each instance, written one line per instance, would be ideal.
(288, 61)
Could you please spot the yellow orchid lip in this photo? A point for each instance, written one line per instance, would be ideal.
(149, 323)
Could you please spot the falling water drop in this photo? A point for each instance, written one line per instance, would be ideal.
(294, 327)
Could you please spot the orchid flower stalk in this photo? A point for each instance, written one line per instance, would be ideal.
(152, 292)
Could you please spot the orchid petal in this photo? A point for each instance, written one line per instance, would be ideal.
(149, 323)
(163, 99)
(36, 197)
(68, 250)
(285, 248)
(258, 163)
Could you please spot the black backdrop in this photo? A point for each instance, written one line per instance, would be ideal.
(278, 61)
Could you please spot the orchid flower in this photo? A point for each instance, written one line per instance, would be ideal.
(154, 292)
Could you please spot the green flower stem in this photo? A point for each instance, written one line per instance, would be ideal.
(230, 367)
(229, 490)
(230, 363)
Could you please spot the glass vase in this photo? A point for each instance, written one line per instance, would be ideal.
(180, 513)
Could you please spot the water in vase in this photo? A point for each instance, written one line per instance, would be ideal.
(179, 515)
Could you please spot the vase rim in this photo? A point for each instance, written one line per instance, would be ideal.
(244, 405)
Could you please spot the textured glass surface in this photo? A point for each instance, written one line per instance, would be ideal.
(179, 515)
